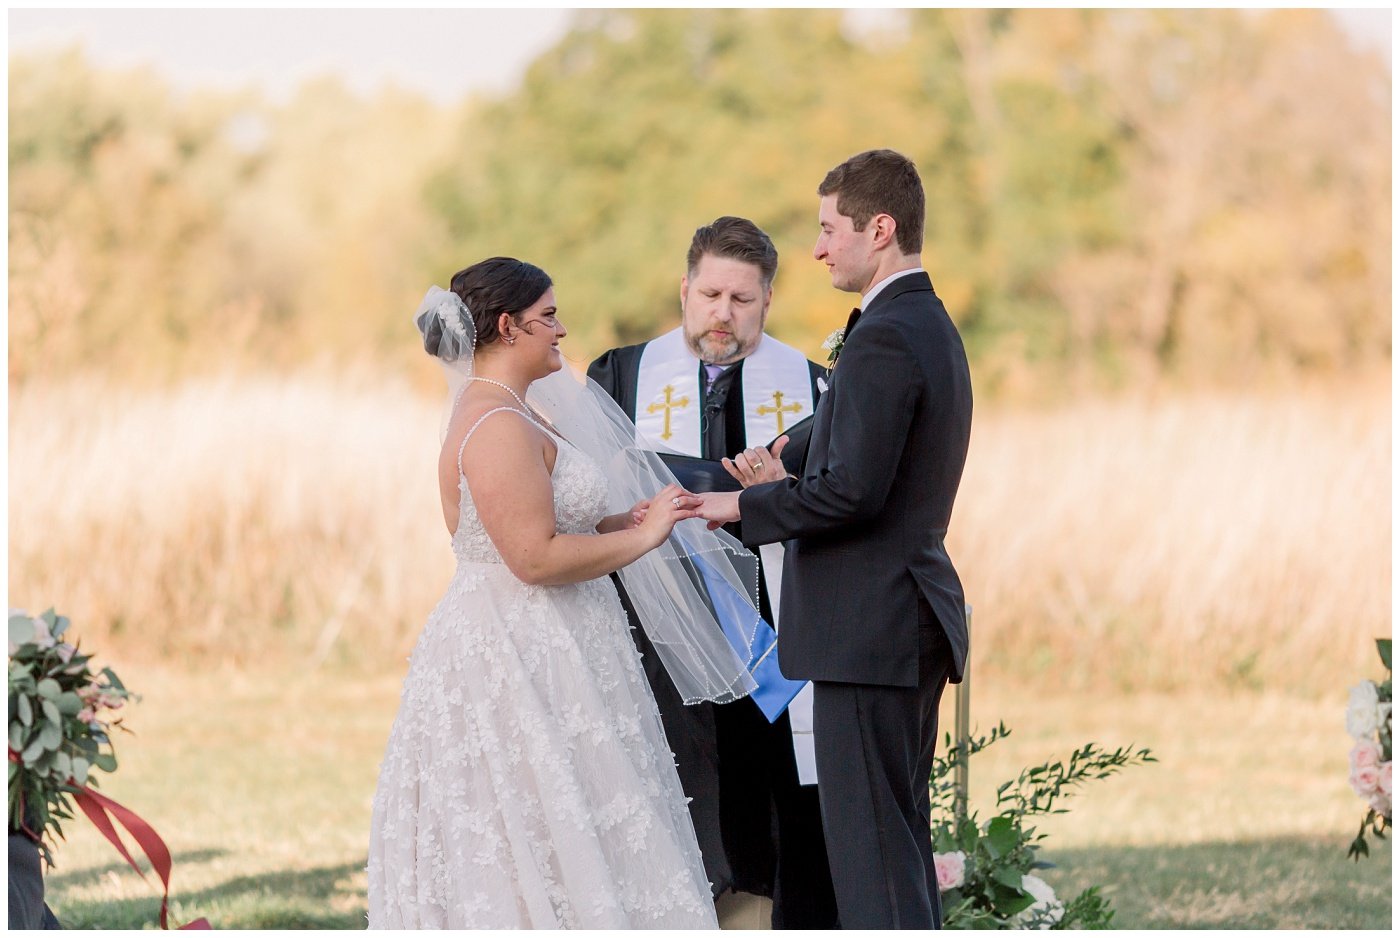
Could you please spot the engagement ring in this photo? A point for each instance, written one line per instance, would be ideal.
(676, 502)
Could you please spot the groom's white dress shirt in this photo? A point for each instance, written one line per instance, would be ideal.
(875, 290)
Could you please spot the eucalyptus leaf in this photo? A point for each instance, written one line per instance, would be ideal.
(61, 625)
(49, 688)
(26, 710)
(63, 763)
(21, 629)
(113, 679)
(51, 713)
(16, 736)
(43, 763)
(69, 704)
(1383, 647)
(80, 770)
(32, 752)
(51, 736)
(105, 761)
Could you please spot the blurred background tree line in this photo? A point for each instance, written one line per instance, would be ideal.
(1115, 198)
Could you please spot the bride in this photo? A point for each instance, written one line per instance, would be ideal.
(527, 782)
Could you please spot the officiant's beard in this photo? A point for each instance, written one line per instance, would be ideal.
(711, 350)
(714, 351)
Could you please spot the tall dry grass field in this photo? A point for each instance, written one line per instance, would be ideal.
(235, 520)
(1242, 541)
(1203, 540)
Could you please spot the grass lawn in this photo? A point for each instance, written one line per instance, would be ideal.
(261, 786)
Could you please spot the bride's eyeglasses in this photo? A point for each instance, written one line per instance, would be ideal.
(549, 320)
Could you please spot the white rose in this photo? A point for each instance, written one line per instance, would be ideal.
(1362, 710)
(1046, 911)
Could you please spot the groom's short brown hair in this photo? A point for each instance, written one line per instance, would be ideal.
(880, 182)
(735, 238)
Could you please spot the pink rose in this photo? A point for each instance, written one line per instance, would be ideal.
(1384, 783)
(1365, 779)
(1380, 802)
(1364, 753)
(951, 869)
(85, 715)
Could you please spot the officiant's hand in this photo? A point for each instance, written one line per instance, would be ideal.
(757, 465)
(718, 508)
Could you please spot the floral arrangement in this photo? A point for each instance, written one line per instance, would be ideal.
(832, 345)
(986, 872)
(60, 724)
(1368, 722)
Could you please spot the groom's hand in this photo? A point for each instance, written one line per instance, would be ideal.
(757, 465)
(718, 508)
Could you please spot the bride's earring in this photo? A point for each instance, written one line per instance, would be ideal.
(510, 339)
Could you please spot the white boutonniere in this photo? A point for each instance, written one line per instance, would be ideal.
(833, 344)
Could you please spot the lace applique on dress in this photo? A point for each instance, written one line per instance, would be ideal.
(527, 782)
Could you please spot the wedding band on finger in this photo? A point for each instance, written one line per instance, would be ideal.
(757, 465)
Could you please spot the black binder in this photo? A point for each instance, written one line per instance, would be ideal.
(709, 475)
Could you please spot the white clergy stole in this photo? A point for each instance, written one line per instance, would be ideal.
(777, 394)
(777, 387)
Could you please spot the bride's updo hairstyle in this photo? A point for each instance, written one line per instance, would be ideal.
(487, 289)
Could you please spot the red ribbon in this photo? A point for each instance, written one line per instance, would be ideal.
(96, 805)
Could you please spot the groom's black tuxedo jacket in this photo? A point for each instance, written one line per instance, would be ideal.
(868, 517)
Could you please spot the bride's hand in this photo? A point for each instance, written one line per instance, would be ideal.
(671, 505)
(636, 514)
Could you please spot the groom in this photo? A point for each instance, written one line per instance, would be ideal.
(873, 610)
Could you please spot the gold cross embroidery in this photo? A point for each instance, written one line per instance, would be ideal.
(779, 409)
(668, 405)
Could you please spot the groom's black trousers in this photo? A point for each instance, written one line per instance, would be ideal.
(874, 755)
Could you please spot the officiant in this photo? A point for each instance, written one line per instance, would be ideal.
(709, 388)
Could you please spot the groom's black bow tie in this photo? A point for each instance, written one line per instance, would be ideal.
(855, 314)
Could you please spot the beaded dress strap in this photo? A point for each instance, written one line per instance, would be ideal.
(479, 421)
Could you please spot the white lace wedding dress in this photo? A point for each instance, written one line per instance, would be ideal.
(527, 782)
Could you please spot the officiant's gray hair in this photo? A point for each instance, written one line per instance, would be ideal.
(735, 238)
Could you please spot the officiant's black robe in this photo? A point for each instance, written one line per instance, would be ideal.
(759, 830)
